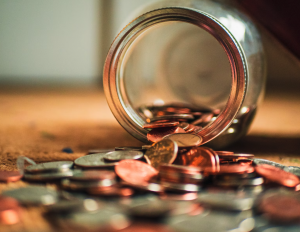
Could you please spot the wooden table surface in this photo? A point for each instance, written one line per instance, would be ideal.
(39, 123)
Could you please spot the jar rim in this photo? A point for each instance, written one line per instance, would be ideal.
(111, 78)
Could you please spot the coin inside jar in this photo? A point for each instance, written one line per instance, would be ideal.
(185, 140)
(160, 124)
(122, 155)
(156, 135)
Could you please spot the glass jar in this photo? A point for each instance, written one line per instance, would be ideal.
(206, 55)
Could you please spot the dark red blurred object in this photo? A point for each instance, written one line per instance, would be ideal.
(281, 18)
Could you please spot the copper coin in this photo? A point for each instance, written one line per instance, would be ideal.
(163, 152)
(158, 134)
(224, 153)
(122, 155)
(234, 156)
(233, 169)
(160, 124)
(93, 175)
(185, 140)
(277, 175)
(10, 176)
(200, 157)
(9, 211)
(135, 172)
(178, 117)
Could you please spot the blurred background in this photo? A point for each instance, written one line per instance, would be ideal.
(64, 43)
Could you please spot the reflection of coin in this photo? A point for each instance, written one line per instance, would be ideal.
(135, 172)
(50, 167)
(184, 140)
(122, 155)
(163, 152)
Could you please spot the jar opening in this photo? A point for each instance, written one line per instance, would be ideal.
(175, 56)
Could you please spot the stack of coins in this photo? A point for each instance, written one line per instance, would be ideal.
(49, 171)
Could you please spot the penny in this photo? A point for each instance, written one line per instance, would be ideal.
(33, 195)
(200, 157)
(233, 169)
(172, 117)
(184, 140)
(122, 155)
(235, 156)
(224, 153)
(49, 167)
(10, 176)
(277, 175)
(135, 172)
(9, 211)
(293, 169)
(163, 152)
(158, 134)
(93, 175)
(94, 161)
(159, 125)
(48, 176)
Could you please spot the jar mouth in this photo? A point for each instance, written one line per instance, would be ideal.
(113, 79)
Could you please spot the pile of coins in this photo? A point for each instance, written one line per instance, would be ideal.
(173, 185)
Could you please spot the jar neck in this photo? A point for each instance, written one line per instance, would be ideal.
(113, 77)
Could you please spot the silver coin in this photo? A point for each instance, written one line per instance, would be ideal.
(293, 169)
(122, 155)
(228, 201)
(185, 140)
(177, 187)
(48, 176)
(264, 161)
(79, 185)
(65, 206)
(93, 161)
(33, 195)
(240, 182)
(50, 167)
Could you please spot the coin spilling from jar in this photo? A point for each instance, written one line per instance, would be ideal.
(175, 184)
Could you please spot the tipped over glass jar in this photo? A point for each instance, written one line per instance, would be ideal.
(196, 57)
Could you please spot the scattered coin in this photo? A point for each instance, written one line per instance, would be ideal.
(33, 195)
(135, 172)
(184, 140)
(50, 167)
(128, 149)
(48, 176)
(93, 175)
(93, 161)
(10, 176)
(163, 152)
(293, 169)
(183, 188)
(264, 161)
(122, 155)
(277, 175)
(95, 151)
